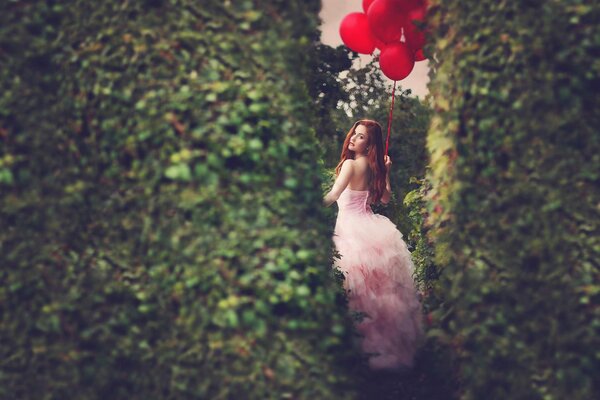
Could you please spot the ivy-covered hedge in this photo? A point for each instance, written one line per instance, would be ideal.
(162, 233)
(514, 204)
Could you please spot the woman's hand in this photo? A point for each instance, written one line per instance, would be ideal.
(388, 163)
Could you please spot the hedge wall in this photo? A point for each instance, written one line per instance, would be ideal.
(514, 205)
(162, 226)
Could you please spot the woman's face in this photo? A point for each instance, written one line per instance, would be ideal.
(358, 141)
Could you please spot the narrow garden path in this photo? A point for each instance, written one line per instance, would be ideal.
(431, 378)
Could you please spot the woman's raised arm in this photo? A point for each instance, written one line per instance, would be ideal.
(340, 184)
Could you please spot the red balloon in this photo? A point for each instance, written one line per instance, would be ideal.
(417, 14)
(366, 4)
(420, 56)
(355, 33)
(378, 43)
(396, 61)
(407, 5)
(386, 20)
(415, 38)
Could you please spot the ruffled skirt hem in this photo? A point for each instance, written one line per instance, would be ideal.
(378, 270)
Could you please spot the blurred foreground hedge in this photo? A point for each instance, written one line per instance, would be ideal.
(514, 205)
(162, 235)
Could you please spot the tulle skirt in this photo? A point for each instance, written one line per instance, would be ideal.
(378, 270)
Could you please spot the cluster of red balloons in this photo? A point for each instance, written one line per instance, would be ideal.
(389, 26)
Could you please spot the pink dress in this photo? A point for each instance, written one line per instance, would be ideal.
(378, 279)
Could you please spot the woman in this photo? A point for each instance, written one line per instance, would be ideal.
(374, 259)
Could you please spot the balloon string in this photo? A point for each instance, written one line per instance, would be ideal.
(387, 142)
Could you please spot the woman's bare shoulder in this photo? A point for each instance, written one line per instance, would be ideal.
(348, 167)
(348, 163)
(361, 168)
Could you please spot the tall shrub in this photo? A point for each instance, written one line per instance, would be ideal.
(514, 205)
(160, 210)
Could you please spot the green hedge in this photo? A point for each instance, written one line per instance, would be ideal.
(162, 227)
(514, 205)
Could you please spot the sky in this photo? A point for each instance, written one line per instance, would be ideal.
(334, 11)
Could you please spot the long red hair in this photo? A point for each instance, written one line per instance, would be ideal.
(377, 172)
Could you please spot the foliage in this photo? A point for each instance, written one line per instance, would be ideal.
(162, 234)
(514, 202)
(325, 87)
(427, 273)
